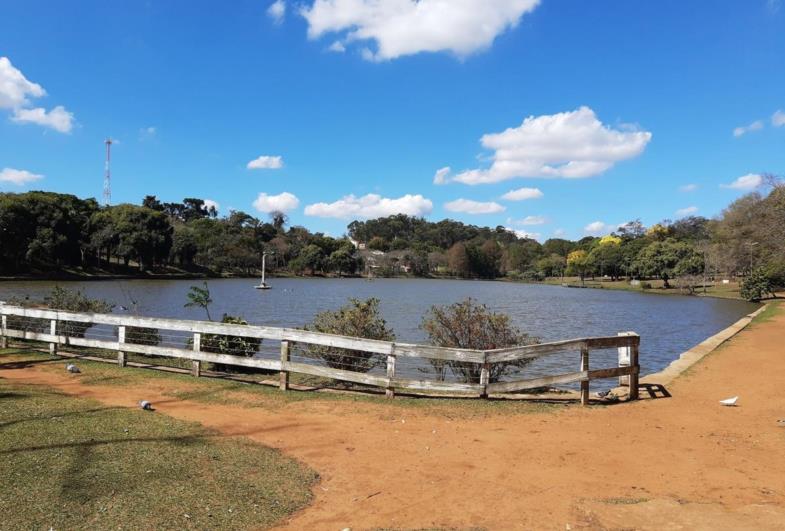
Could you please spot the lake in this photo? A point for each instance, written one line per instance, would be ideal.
(668, 325)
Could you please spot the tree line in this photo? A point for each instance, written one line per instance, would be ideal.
(45, 231)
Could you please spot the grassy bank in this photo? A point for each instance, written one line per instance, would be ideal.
(722, 291)
(70, 463)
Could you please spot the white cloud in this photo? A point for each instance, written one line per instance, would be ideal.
(18, 177)
(15, 89)
(440, 177)
(686, 211)
(568, 145)
(599, 228)
(371, 206)
(277, 11)
(58, 118)
(529, 220)
(757, 125)
(406, 27)
(778, 119)
(146, 133)
(337, 47)
(559, 233)
(270, 203)
(266, 162)
(15, 93)
(210, 203)
(745, 182)
(688, 188)
(522, 194)
(467, 206)
(525, 234)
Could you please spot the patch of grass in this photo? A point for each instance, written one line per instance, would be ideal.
(773, 309)
(71, 463)
(233, 392)
(624, 501)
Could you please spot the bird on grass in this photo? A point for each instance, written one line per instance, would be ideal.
(72, 368)
(144, 404)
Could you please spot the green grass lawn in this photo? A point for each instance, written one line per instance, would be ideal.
(715, 289)
(71, 463)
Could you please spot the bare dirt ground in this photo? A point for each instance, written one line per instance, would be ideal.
(683, 462)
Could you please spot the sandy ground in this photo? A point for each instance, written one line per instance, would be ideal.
(682, 462)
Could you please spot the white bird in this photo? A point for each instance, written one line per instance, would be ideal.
(72, 368)
(144, 404)
(781, 422)
(730, 401)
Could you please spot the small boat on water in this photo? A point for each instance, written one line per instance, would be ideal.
(263, 284)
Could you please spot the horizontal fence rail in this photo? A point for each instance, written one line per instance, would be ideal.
(53, 327)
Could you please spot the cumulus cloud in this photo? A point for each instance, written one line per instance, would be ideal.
(15, 89)
(266, 162)
(757, 125)
(559, 233)
(371, 206)
(283, 202)
(599, 228)
(58, 118)
(688, 188)
(687, 211)
(18, 177)
(440, 177)
(277, 11)
(467, 206)
(529, 220)
(525, 234)
(569, 145)
(210, 203)
(522, 194)
(745, 182)
(15, 93)
(778, 119)
(337, 47)
(395, 28)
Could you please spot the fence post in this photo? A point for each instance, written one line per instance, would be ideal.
(624, 357)
(390, 391)
(121, 361)
(196, 365)
(53, 331)
(485, 376)
(283, 385)
(4, 339)
(585, 367)
(636, 369)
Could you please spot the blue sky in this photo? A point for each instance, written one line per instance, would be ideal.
(625, 103)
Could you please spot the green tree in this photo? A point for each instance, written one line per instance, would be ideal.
(199, 297)
(756, 286)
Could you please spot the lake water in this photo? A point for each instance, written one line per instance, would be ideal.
(668, 325)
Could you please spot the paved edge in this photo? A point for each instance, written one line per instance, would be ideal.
(698, 352)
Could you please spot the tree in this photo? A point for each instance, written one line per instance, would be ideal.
(458, 260)
(278, 219)
(199, 297)
(469, 325)
(661, 257)
(756, 286)
(378, 243)
(355, 319)
(578, 263)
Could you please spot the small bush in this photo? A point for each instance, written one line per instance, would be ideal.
(471, 325)
(756, 286)
(75, 301)
(645, 285)
(355, 319)
(233, 345)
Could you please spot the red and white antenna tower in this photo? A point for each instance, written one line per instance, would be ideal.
(108, 173)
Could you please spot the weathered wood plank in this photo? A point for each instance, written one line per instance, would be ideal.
(4, 340)
(543, 349)
(437, 387)
(390, 391)
(53, 332)
(196, 365)
(610, 373)
(284, 375)
(336, 374)
(439, 353)
(508, 387)
(585, 383)
(120, 340)
(634, 375)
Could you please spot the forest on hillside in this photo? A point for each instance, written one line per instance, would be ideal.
(44, 231)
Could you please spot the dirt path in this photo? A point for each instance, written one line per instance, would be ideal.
(676, 463)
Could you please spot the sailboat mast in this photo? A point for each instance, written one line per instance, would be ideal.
(264, 257)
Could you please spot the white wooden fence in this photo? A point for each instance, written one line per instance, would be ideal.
(15, 324)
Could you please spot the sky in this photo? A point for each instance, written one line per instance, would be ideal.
(554, 118)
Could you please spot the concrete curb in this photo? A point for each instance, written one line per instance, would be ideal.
(698, 352)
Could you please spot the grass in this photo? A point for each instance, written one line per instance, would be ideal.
(77, 464)
(772, 309)
(231, 392)
(719, 290)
